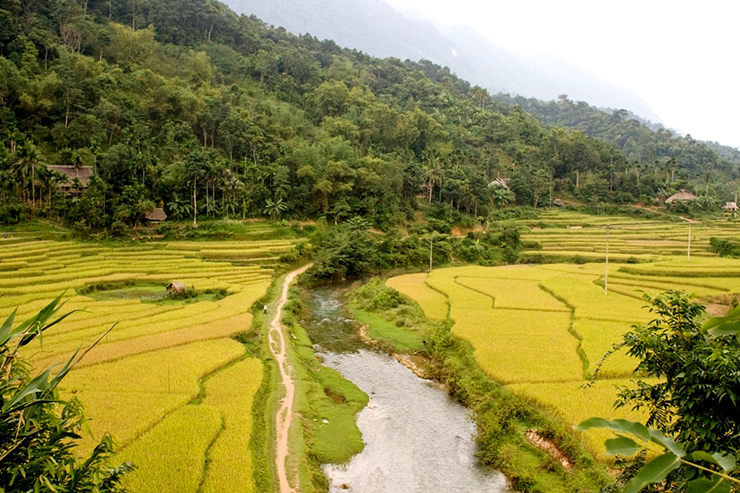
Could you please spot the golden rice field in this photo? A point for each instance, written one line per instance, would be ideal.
(169, 381)
(528, 324)
(565, 235)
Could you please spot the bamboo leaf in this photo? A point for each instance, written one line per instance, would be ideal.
(5, 329)
(718, 485)
(36, 386)
(622, 446)
(654, 471)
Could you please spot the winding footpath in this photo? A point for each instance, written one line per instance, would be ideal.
(284, 415)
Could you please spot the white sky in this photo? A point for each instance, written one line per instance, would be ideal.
(682, 58)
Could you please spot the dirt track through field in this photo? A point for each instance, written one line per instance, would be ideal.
(284, 415)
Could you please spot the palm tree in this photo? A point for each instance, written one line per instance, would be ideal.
(28, 159)
(433, 173)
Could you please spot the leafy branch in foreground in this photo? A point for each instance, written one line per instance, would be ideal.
(675, 456)
(38, 430)
(695, 406)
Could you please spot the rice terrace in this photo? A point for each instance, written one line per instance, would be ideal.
(175, 380)
(170, 382)
(319, 246)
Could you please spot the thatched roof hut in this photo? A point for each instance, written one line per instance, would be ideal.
(730, 206)
(682, 195)
(156, 215)
(558, 202)
(83, 173)
(500, 182)
(176, 288)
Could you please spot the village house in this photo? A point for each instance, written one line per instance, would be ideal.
(82, 173)
(682, 195)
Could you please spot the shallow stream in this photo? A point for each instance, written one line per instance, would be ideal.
(417, 439)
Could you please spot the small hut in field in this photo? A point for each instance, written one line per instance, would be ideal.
(156, 215)
(176, 288)
(558, 203)
(682, 195)
(730, 207)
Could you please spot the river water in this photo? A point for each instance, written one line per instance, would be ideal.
(417, 439)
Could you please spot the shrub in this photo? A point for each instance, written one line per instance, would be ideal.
(725, 247)
(39, 432)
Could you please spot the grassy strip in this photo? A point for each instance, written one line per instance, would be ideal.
(266, 401)
(391, 336)
(171, 456)
(326, 404)
(579, 350)
(229, 465)
(502, 417)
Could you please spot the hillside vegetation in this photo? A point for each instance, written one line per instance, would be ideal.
(187, 105)
(658, 156)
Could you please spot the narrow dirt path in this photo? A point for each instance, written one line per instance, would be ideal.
(284, 415)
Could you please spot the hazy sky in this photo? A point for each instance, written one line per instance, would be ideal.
(682, 58)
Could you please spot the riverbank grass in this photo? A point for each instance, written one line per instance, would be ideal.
(502, 418)
(388, 333)
(325, 405)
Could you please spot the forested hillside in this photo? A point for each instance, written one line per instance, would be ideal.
(376, 28)
(186, 104)
(660, 148)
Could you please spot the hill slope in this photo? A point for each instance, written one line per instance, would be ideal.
(376, 28)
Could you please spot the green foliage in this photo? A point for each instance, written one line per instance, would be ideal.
(697, 400)
(725, 247)
(714, 477)
(215, 115)
(38, 430)
(652, 159)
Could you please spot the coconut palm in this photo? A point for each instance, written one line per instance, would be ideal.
(433, 173)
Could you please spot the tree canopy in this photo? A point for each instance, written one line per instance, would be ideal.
(208, 113)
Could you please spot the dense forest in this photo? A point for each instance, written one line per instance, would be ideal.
(641, 142)
(186, 105)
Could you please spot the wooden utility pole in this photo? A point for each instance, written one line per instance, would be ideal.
(606, 268)
(688, 250)
(431, 239)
